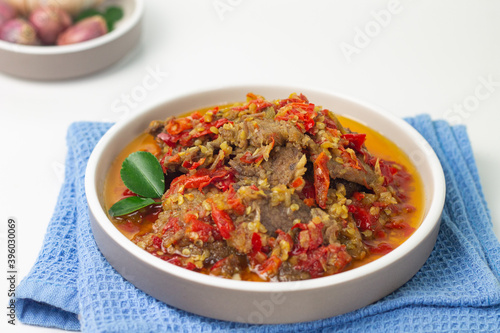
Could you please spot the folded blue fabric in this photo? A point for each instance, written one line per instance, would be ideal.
(72, 286)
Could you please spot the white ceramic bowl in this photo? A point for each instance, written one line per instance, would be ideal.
(69, 61)
(272, 302)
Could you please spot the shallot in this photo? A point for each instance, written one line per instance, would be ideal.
(19, 31)
(86, 29)
(49, 22)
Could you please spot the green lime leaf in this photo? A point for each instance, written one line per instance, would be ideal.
(142, 174)
(87, 13)
(129, 205)
(112, 15)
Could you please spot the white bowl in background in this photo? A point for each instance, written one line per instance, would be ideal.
(266, 302)
(69, 61)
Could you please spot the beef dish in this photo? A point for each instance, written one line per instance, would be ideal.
(277, 190)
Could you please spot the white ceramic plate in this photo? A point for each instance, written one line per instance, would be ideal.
(272, 302)
(69, 61)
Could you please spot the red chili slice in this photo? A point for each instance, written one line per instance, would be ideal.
(364, 220)
(257, 258)
(349, 160)
(177, 125)
(249, 159)
(157, 241)
(256, 242)
(169, 139)
(298, 182)
(308, 191)
(171, 226)
(382, 248)
(176, 260)
(196, 181)
(358, 196)
(235, 202)
(303, 113)
(222, 178)
(321, 179)
(330, 123)
(310, 237)
(193, 165)
(355, 140)
(407, 230)
(218, 266)
(178, 131)
(318, 259)
(221, 122)
(259, 102)
(196, 115)
(202, 229)
(296, 99)
(270, 266)
(128, 193)
(223, 221)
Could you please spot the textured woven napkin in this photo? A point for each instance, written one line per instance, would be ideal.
(72, 286)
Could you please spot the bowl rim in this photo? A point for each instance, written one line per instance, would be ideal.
(431, 219)
(121, 30)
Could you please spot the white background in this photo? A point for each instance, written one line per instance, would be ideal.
(428, 57)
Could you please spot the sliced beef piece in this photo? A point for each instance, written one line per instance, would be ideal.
(281, 132)
(245, 170)
(281, 216)
(218, 250)
(156, 127)
(260, 132)
(279, 169)
(365, 177)
(282, 165)
(227, 267)
(350, 187)
(351, 237)
(288, 273)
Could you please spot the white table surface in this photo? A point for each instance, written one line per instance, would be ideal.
(426, 58)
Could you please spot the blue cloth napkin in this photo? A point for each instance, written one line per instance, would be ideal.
(72, 286)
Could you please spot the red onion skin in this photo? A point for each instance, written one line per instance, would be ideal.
(19, 31)
(86, 29)
(49, 22)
